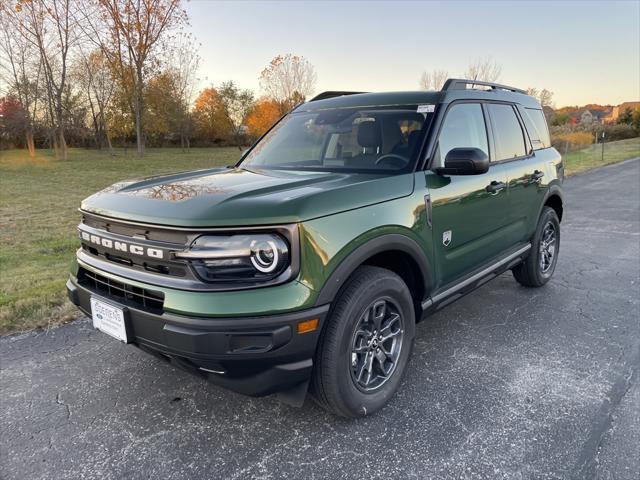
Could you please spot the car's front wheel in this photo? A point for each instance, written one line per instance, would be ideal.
(365, 344)
(539, 266)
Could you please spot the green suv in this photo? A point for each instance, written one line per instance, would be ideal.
(307, 265)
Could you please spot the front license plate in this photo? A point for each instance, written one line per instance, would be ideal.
(109, 319)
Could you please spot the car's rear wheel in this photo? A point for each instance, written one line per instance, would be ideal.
(365, 344)
(539, 266)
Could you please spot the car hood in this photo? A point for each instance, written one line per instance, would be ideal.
(237, 197)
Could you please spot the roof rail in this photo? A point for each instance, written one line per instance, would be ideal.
(461, 84)
(332, 94)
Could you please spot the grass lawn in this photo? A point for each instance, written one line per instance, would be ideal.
(591, 157)
(38, 214)
(39, 199)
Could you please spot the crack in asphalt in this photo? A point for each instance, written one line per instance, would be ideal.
(67, 407)
(603, 421)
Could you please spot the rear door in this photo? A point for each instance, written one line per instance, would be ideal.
(525, 172)
(468, 212)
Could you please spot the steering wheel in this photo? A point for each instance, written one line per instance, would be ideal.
(392, 155)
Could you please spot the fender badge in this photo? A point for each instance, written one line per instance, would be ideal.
(446, 238)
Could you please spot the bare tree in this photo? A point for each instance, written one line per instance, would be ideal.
(289, 80)
(20, 70)
(48, 26)
(484, 69)
(238, 104)
(184, 60)
(433, 80)
(129, 33)
(94, 77)
(544, 96)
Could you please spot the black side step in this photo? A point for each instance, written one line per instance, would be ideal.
(452, 293)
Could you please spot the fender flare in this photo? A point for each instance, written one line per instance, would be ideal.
(382, 243)
(554, 189)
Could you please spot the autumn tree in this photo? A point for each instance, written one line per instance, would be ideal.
(289, 80)
(626, 116)
(21, 73)
(49, 27)
(433, 80)
(164, 107)
(129, 32)
(121, 121)
(237, 105)
(12, 121)
(484, 69)
(210, 117)
(635, 118)
(263, 115)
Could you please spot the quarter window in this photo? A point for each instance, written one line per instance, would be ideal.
(463, 127)
(537, 127)
(507, 132)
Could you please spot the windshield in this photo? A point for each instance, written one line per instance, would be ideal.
(354, 139)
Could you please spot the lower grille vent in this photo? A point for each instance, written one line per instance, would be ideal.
(141, 298)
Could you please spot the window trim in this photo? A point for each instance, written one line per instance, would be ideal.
(529, 152)
(434, 136)
(522, 110)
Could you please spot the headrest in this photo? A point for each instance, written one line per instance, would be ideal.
(414, 136)
(369, 135)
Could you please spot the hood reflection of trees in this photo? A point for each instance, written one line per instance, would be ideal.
(175, 192)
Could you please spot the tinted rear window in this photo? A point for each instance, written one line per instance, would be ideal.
(507, 132)
(537, 127)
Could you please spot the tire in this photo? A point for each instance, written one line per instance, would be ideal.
(537, 269)
(372, 296)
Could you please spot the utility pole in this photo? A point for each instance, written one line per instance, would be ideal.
(602, 159)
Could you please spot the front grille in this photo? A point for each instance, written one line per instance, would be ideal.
(155, 233)
(163, 267)
(141, 298)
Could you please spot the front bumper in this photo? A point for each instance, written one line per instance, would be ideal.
(251, 355)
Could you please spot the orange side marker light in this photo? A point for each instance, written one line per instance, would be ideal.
(308, 326)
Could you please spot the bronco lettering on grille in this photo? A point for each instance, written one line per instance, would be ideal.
(123, 246)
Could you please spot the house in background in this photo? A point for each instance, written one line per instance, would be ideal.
(588, 116)
(617, 111)
(593, 116)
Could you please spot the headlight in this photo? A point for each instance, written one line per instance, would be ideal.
(238, 258)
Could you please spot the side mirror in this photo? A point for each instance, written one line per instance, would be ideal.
(465, 161)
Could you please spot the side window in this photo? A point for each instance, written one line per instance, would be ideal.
(507, 132)
(463, 127)
(537, 127)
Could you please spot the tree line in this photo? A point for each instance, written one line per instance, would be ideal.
(124, 72)
(107, 73)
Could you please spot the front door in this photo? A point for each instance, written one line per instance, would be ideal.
(468, 212)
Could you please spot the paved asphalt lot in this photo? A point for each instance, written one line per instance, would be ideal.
(506, 383)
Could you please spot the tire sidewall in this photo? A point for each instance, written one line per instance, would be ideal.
(389, 287)
(548, 215)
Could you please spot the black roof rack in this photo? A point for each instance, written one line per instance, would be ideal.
(332, 94)
(461, 84)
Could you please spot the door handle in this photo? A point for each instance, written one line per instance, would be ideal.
(494, 187)
(536, 176)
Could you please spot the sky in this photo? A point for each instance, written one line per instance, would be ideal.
(583, 51)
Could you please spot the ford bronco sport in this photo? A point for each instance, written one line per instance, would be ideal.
(308, 264)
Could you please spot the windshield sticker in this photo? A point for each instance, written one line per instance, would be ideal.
(426, 108)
